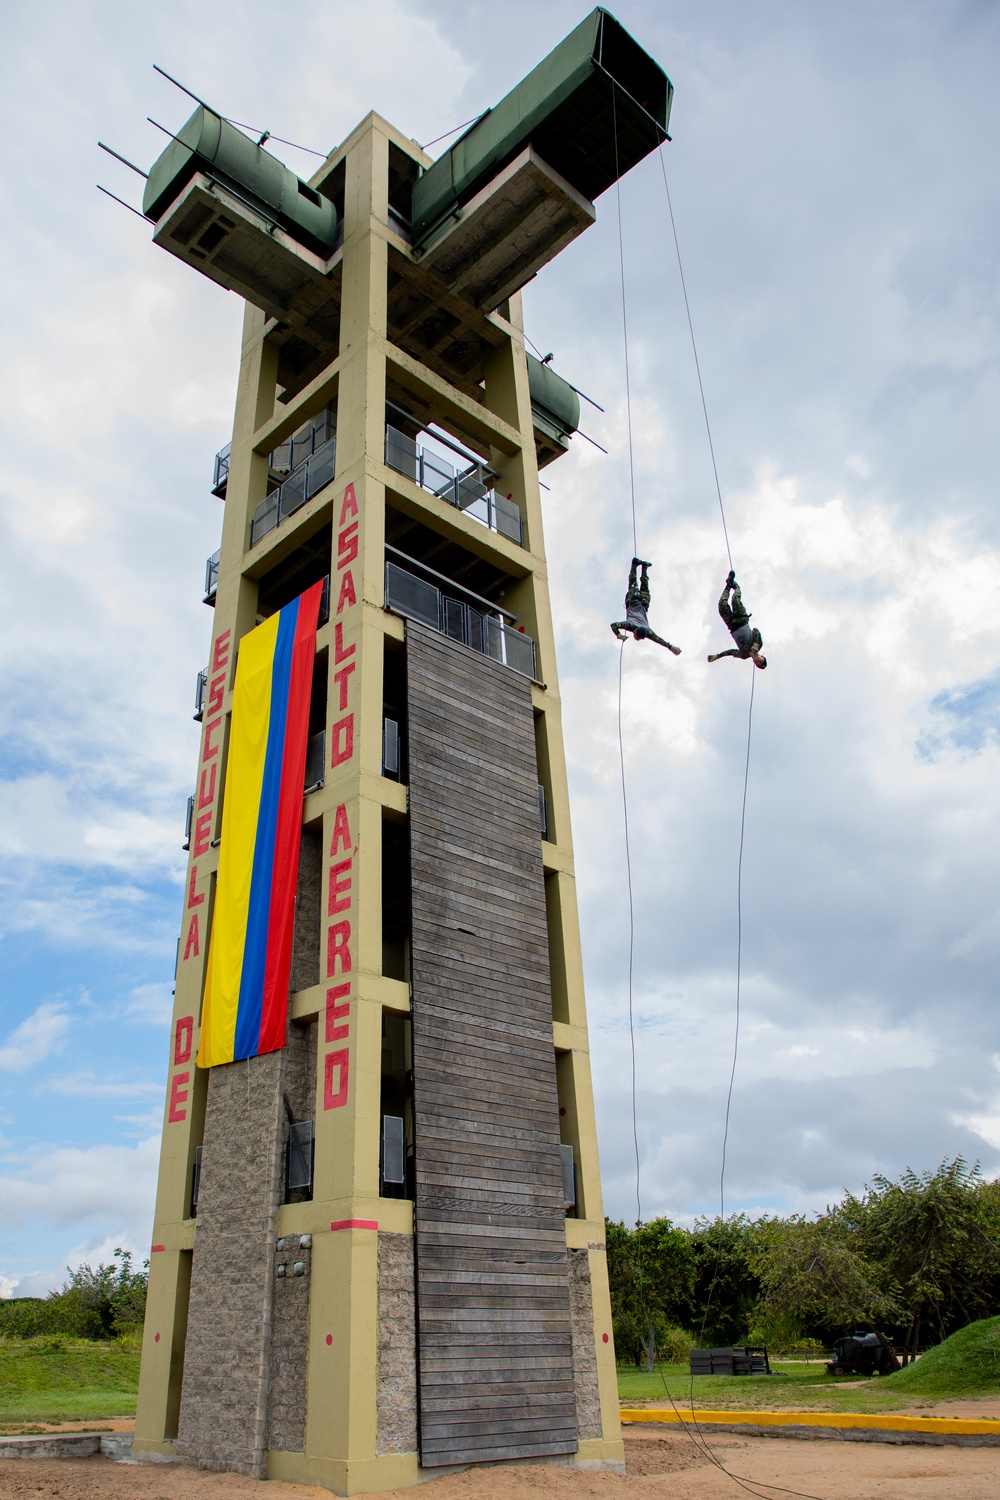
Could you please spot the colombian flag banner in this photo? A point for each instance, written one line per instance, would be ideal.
(250, 951)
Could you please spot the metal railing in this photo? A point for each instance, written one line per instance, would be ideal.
(543, 811)
(569, 1178)
(200, 694)
(315, 761)
(211, 577)
(469, 490)
(195, 1180)
(419, 600)
(288, 455)
(301, 485)
(299, 1158)
(390, 747)
(188, 822)
(220, 474)
(304, 442)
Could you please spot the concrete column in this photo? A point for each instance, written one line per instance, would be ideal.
(341, 1421)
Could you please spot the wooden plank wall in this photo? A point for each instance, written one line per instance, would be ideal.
(495, 1342)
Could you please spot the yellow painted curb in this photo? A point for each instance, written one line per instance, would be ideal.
(880, 1421)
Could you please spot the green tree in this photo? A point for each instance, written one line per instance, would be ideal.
(813, 1274)
(914, 1258)
(936, 1237)
(727, 1285)
(651, 1270)
(104, 1303)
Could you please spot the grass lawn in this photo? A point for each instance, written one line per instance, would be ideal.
(791, 1387)
(56, 1379)
(965, 1365)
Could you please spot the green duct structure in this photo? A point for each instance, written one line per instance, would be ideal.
(555, 410)
(591, 110)
(211, 145)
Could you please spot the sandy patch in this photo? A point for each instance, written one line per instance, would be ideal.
(106, 1424)
(661, 1467)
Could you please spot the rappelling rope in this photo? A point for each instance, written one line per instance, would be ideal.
(739, 949)
(736, 1029)
(758, 1488)
(694, 351)
(746, 767)
(631, 949)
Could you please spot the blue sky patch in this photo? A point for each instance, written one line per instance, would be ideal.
(968, 718)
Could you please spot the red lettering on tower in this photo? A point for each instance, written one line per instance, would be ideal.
(339, 653)
(336, 1013)
(338, 884)
(338, 951)
(191, 947)
(178, 1096)
(341, 679)
(210, 749)
(340, 878)
(335, 1063)
(342, 741)
(347, 594)
(202, 834)
(341, 830)
(194, 900)
(347, 545)
(183, 1035)
(216, 693)
(220, 656)
(350, 505)
(206, 788)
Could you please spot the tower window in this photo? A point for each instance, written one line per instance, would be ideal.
(299, 1157)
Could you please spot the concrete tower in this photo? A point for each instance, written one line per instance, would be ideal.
(379, 1249)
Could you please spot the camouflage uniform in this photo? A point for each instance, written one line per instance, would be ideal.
(737, 622)
(636, 605)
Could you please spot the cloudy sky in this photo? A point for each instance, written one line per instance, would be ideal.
(834, 182)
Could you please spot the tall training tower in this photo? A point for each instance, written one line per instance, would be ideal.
(379, 1240)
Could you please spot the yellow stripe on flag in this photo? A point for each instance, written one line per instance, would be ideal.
(244, 775)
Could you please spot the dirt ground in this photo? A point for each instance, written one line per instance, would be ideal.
(105, 1424)
(660, 1467)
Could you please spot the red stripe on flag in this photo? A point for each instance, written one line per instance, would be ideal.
(354, 1224)
(288, 830)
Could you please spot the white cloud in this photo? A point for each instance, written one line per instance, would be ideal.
(69, 913)
(36, 1283)
(143, 1124)
(985, 1126)
(89, 1086)
(150, 1003)
(77, 1188)
(37, 1038)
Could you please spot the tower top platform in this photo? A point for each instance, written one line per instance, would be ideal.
(469, 230)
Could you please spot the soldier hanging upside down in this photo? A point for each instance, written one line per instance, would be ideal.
(737, 622)
(636, 605)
